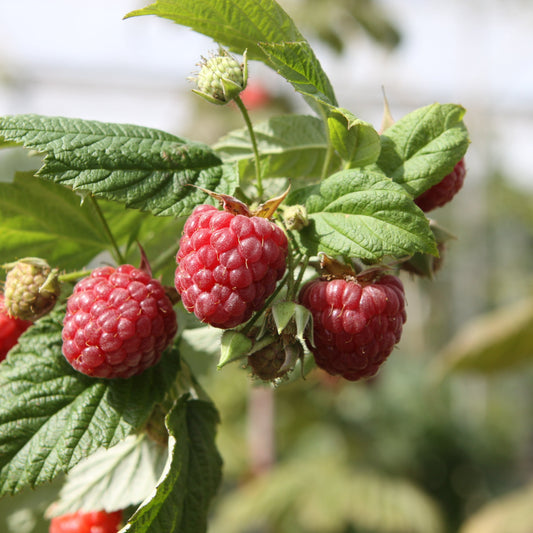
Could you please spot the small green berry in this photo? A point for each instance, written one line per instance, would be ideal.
(295, 217)
(31, 288)
(274, 361)
(221, 78)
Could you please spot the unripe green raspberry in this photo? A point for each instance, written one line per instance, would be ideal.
(295, 217)
(31, 288)
(275, 360)
(221, 78)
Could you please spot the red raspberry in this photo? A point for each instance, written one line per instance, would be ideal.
(255, 96)
(11, 329)
(91, 522)
(355, 323)
(228, 265)
(442, 192)
(118, 323)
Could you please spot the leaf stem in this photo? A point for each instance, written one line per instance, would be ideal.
(252, 321)
(73, 276)
(163, 259)
(246, 116)
(119, 258)
(327, 160)
(298, 282)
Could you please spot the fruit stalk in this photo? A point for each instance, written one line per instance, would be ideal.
(119, 258)
(246, 116)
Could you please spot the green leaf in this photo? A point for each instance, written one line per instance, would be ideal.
(303, 318)
(291, 146)
(424, 146)
(357, 142)
(70, 234)
(233, 345)
(141, 167)
(238, 24)
(297, 63)
(112, 479)
(362, 214)
(191, 477)
(51, 416)
(495, 341)
(282, 312)
(262, 28)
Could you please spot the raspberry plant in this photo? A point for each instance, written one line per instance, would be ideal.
(103, 186)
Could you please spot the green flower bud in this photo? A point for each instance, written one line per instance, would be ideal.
(221, 78)
(295, 217)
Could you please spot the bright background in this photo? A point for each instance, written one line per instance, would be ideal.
(80, 59)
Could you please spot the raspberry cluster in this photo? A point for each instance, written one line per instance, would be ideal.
(118, 323)
(356, 323)
(87, 522)
(11, 329)
(228, 265)
(442, 192)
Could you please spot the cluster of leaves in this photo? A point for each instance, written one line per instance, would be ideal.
(356, 185)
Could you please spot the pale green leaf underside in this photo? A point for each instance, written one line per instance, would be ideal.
(364, 215)
(141, 167)
(424, 146)
(191, 476)
(262, 28)
(509, 513)
(51, 416)
(291, 146)
(289, 495)
(112, 479)
(496, 341)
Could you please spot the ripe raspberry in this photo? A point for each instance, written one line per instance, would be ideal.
(31, 289)
(356, 323)
(255, 96)
(228, 265)
(11, 329)
(91, 522)
(442, 192)
(118, 323)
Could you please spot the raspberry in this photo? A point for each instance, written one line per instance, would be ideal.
(11, 329)
(255, 96)
(118, 323)
(442, 192)
(228, 265)
(31, 289)
(87, 522)
(356, 323)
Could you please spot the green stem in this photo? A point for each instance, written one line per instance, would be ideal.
(119, 258)
(73, 276)
(327, 160)
(252, 321)
(246, 117)
(305, 262)
(163, 259)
